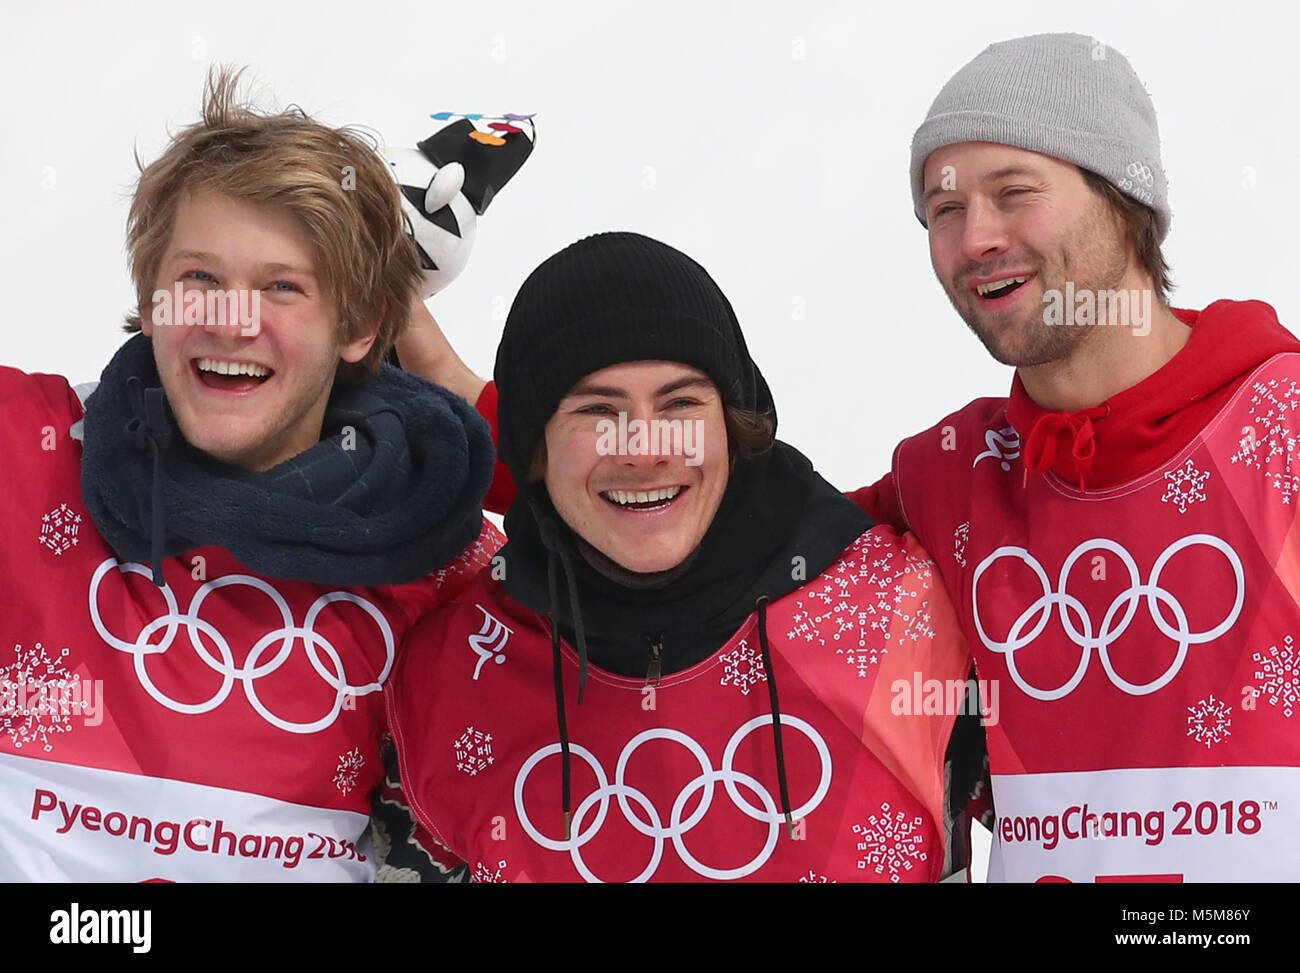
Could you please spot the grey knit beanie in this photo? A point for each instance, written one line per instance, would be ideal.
(1064, 95)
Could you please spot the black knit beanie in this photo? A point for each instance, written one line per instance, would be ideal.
(608, 299)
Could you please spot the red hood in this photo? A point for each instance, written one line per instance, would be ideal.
(1140, 428)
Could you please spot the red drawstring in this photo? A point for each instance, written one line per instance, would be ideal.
(1054, 428)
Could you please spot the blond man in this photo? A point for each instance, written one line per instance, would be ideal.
(208, 563)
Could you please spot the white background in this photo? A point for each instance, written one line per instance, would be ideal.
(767, 140)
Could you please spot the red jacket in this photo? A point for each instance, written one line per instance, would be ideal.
(1129, 575)
(226, 727)
(677, 781)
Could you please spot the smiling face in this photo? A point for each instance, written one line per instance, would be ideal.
(645, 508)
(1008, 225)
(251, 396)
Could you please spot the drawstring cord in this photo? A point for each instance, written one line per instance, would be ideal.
(551, 540)
(558, 556)
(761, 603)
(1045, 439)
(149, 428)
(565, 780)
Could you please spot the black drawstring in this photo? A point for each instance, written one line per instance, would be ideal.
(776, 713)
(148, 425)
(551, 540)
(557, 554)
(559, 696)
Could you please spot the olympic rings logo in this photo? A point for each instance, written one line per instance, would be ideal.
(1140, 172)
(652, 825)
(253, 667)
(1068, 607)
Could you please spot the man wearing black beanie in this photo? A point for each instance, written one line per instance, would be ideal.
(669, 564)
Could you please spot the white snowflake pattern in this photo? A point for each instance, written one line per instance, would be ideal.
(38, 697)
(483, 873)
(1209, 721)
(891, 843)
(744, 668)
(862, 597)
(59, 529)
(960, 536)
(473, 751)
(1279, 675)
(1270, 445)
(1186, 486)
(812, 878)
(474, 558)
(350, 764)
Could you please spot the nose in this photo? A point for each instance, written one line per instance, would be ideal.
(647, 449)
(233, 314)
(985, 233)
(644, 462)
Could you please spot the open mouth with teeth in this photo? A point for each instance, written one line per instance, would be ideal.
(229, 376)
(644, 500)
(998, 289)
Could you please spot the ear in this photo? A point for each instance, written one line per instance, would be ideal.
(355, 350)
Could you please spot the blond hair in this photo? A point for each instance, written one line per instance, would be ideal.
(331, 180)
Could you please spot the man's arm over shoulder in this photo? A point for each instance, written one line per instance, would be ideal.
(501, 494)
(880, 501)
(899, 498)
(424, 350)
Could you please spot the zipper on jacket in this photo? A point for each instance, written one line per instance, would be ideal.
(655, 670)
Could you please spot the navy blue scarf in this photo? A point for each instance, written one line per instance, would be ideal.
(391, 503)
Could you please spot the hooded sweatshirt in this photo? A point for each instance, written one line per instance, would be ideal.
(1129, 575)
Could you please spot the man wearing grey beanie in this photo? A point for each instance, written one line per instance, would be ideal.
(1119, 532)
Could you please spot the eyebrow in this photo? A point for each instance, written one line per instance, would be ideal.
(1006, 172)
(212, 258)
(194, 255)
(613, 392)
(278, 267)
